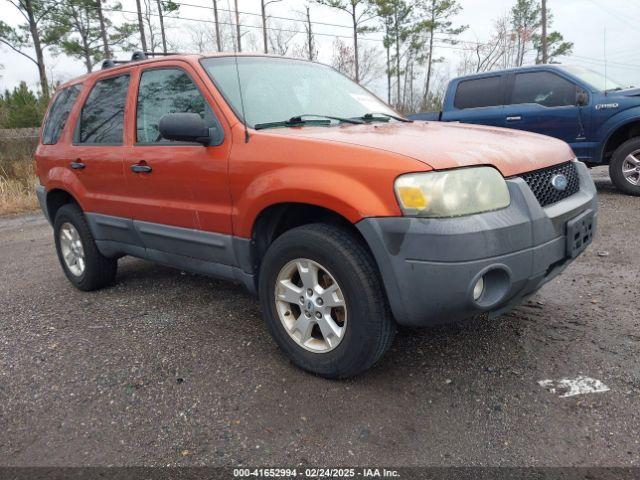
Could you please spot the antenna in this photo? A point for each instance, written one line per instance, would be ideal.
(604, 50)
(235, 59)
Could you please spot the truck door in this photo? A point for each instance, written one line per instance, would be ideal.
(477, 100)
(544, 102)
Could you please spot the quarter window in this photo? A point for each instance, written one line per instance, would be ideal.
(543, 88)
(58, 114)
(102, 118)
(480, 92)
(164, 91)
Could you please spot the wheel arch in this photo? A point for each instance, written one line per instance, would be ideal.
(55, 199)
(618, 136)
(278, 218)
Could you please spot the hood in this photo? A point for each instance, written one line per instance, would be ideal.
(449, 145)
(629, 92)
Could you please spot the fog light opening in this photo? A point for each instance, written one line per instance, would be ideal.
(478, 289)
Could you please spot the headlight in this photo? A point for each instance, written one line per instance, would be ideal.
(452, 193)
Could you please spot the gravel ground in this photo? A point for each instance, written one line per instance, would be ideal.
(167, 368)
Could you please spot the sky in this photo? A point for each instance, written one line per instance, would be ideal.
(589, 24)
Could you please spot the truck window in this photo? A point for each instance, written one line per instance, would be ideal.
(164, 91)
(543, 88)
(480, 92)
(58, 114)
(102, 117)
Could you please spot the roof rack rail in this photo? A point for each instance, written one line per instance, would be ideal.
(162, 54)
(136, 57)
(108, 63)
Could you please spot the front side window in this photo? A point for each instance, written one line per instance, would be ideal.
(102, 117)
(543, 88)
(479, 92)
(58, 114)
(164, 91)
(277, 89)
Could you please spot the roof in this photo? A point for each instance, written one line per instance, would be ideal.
(149, 60)
(511, 70)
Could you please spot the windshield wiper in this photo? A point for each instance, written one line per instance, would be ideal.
(376, 116)
(299, 120)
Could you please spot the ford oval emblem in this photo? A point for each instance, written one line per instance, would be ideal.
(559, 182)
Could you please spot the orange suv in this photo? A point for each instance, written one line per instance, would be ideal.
(287, 177)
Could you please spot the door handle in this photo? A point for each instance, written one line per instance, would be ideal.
(77, 165)
(138, 168)
(515, 118)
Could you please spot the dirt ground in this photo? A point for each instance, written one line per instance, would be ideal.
(167, 368)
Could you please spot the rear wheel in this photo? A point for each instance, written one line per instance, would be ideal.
(624, 168)
(85, 267)
(323, 301)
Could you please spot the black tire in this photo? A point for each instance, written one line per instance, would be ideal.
(615, 167)
(99, 271)
(370, 327)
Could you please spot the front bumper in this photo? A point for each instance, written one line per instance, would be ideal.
(430, 266)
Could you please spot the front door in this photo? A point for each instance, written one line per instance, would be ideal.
(170, 183)
(544, 102)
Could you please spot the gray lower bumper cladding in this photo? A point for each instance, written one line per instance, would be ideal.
(430, 266)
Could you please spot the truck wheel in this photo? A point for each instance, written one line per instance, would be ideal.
(85, 267)
(323, 301)
(624, 168)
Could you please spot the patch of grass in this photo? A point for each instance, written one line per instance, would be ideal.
(17, 176)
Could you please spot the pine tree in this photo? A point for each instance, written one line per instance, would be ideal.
(82, 34)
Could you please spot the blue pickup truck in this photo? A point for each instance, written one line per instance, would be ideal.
(597, 117)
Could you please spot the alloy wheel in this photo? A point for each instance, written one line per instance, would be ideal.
(72, 249)
(311, 305)
(631, 168)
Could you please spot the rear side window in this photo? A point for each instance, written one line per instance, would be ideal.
(480, 92)
(164, 91)
(102, 117)
(543, 88)
(58, 114)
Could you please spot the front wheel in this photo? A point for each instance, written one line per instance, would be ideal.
(323, 301)
(624, 168)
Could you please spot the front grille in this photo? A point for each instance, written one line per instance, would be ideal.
(539, 182)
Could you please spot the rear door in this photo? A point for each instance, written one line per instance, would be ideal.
(97, 152)
(478, 100)
(544, 102)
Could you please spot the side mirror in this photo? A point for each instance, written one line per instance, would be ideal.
(188, 127)
(582, 98)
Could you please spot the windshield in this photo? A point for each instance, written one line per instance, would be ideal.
(277, 89)
(595, 79)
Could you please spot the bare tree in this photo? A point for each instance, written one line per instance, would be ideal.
(238, 33)
(103, 29)
(500, 51)
(263, 10)
(360, 12)
(310, 44)
(343, 60)
(438, 15)
(202, 39)
(280, 39)
(217, 25)
(143, 40)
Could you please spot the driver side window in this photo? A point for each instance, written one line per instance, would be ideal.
(163, 91)
(543, 88)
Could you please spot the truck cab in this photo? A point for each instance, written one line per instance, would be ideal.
(597, 117)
